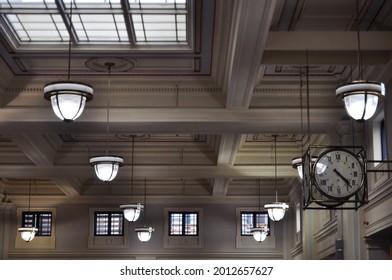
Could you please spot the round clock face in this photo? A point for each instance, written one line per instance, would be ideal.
(325, 201)
(338, 174)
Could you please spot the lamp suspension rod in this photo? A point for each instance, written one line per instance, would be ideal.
(29, 194)
(133, 158)
(109, 65)
(307, 96)
(276, 171)
(301, 109)
(145, 200)
(259, 181)
(70, 41)
(360, 72)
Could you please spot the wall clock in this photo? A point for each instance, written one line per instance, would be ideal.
(338, 174)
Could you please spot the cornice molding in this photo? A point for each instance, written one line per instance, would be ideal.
(293, 89)
(126, 255)
(126, 90)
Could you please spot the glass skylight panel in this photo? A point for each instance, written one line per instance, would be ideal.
(38, 27)
(100, 27)
(157, 4)
(95, 4)
(42, 21)
(159, 20)
(27, 4)
(159, 27)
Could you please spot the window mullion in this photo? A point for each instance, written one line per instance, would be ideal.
(128, 22)
(183, 224)
(67, 21)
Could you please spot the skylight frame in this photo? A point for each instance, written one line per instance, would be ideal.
(120, 21)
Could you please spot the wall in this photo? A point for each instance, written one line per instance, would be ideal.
(219, 238)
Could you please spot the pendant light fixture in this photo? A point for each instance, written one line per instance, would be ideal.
(276, 210)
(144, 233)
(132, 210)
(259, 231)
(361, 96)
(106, 166)
(28, 233)
(68, 98)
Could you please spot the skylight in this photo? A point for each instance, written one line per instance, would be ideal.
(130, 22)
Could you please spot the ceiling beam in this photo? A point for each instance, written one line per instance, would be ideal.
(70, 186)
(327, 48)
(42, 151)
(151, 172)
(249, 32)
(328, 41)
(228, 149)
(240, 121)
(298, 57)
(36, 147)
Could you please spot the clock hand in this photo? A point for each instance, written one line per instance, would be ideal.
(342, 177)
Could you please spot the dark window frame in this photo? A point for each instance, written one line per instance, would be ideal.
(254, 220)
(36, 220)
(183, 224)
(109, 223)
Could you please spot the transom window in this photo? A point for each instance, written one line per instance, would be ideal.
(183, 223)
(253, 219)
(133, 21)
(108, 224)
(41, 220)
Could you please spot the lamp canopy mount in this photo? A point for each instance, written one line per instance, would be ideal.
(117, 64)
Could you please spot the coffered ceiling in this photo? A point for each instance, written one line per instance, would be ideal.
(204, 110)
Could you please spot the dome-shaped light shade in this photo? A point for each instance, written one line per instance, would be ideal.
(361, 98)
(106, 167)
(132, 211)
(296, 163)
(276, 210)
(259, 233)
(27, 233)
(68, 98)
(144, 233)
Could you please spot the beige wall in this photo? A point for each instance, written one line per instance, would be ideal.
(219, 238)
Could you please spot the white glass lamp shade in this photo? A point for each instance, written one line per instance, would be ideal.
(68, 99)
(276, 210)
(144, 233)
(361, 98)
(27, 233)
(296, 163)
(106, 167)
(259, 233)
(132, 211)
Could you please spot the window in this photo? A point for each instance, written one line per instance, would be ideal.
(108, 224)
(183, 223)
(40, 220)
(138, 21)
(383, 139)
(44, 219)
(379, 139)
(184, 227)
(253, 219)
